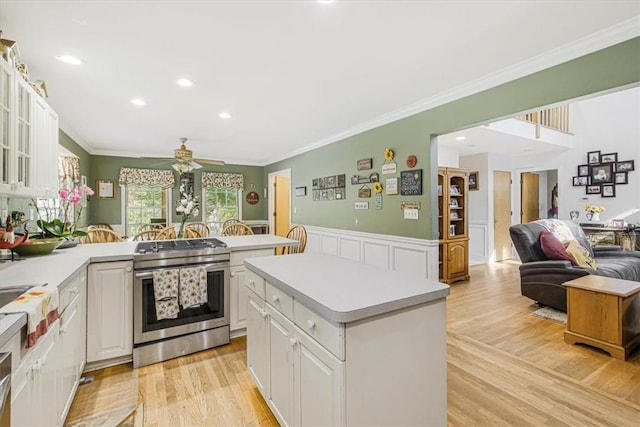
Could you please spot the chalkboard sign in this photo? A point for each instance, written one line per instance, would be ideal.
(411, 182)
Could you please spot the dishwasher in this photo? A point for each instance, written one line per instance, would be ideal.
(5, 389)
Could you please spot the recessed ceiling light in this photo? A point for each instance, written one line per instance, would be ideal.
(224, 115)
(184, 82)
(68, 59)
(138, 101)
(460, 138)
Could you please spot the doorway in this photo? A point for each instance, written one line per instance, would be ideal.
(501, 215)
(280, 202)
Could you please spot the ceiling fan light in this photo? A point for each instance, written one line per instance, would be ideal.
(182, 167)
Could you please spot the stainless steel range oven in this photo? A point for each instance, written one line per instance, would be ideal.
(180, 298)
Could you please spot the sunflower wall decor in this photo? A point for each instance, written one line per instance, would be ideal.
(389, 166)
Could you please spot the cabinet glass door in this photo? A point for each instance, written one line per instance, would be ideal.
(6, 82)
(24, 135)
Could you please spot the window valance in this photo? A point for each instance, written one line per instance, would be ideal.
(149, 177)
(223, 180)
(68, 170)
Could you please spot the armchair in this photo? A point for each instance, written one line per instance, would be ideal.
(542, 279)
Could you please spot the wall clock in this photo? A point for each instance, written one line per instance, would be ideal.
(253, 198)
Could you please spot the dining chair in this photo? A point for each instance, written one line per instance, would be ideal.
(151, 226)
(171, 232)
(100, 225)
(146, 235)
(101, 235)
(237, 229)
(299, 233)
(200, 228)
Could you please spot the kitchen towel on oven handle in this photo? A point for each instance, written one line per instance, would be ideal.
(193, 287)
(165, 293)
(40, 303)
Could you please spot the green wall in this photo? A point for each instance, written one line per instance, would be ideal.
(614, 67)
(85, 166)
(108, 167)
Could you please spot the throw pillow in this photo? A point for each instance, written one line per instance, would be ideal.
(581, 254)
(553, 248)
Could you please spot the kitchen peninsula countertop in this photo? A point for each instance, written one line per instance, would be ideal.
(344, 291)
(56, 267)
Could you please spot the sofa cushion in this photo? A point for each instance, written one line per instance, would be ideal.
(554, 249)
(581, 255)
(627, 268)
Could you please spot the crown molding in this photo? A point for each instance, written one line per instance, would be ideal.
(602, 39)
(66, 128)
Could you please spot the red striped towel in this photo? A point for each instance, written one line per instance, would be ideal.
(41, 305)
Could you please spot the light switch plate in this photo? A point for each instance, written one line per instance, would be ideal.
(411, 213)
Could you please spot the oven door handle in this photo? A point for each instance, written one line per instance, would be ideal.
(143, 274)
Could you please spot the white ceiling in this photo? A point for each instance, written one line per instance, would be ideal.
(294, 74)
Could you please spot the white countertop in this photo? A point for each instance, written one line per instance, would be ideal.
(342, 290)
(56, 267)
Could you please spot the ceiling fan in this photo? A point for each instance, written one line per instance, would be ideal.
(185, 161)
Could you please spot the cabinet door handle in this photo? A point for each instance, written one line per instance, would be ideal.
(293, 342)
(311, 324)
(127, 269)
(275, 298)
(264, 313)
(232, 274)
(251, 283)
(63, 329)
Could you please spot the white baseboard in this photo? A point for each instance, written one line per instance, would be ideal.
(418, 256)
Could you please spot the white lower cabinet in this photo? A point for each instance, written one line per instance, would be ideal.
(109, 310)
(34, 386)
(238, 290)
(300, 380)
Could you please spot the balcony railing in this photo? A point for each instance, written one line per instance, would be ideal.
(556, 118)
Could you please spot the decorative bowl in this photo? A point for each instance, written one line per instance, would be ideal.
(38, 246)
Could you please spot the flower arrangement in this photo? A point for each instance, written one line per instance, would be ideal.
(388, 154)
(187, 207)
(71, 208)
(593, 208)
(377, 187)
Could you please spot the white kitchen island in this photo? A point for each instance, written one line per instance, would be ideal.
(335, 342)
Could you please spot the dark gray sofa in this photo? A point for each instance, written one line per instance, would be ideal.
(542, 279)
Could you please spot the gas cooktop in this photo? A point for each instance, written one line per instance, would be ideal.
(179, 248)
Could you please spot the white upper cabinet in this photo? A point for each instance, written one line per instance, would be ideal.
(28, 139)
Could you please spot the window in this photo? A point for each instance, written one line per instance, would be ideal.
(221, 204)
(49, 209)
(143, 205)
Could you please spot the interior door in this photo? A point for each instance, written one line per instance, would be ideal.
(281, 211)
(529, 197)
(502, 214)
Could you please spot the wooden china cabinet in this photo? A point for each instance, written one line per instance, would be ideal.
(453, 224)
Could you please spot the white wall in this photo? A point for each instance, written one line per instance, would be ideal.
(608, 123)
(447, 157)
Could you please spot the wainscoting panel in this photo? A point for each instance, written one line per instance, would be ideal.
(478, 243)
(392, 252)
(376, 254)
(350, 249)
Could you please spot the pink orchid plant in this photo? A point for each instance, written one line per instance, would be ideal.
(71, 208)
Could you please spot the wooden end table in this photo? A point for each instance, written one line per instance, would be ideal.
(605, 313)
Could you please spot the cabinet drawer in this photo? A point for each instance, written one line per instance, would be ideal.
(280, 301)
(238, 257)
(329, 335)
(68, 293)
(255, 283)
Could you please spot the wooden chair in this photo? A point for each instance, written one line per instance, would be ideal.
(101, 235)
(154, 227)
(167, 233)
(299, 233)
(146, 235)
(199, 228)
(237, 229)
(100, 225)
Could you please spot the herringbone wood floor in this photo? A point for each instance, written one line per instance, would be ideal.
(505, 367)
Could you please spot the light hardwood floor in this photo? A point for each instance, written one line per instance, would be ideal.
(505, 367)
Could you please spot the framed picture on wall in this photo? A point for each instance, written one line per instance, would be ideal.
(583, 170)
(609, 158)
(593, 189)
(473, 181)
(625, 166)
(106, 188)
(621, 178)
(579, 181)
(601, 174)
(593, 157)
(608, 190)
